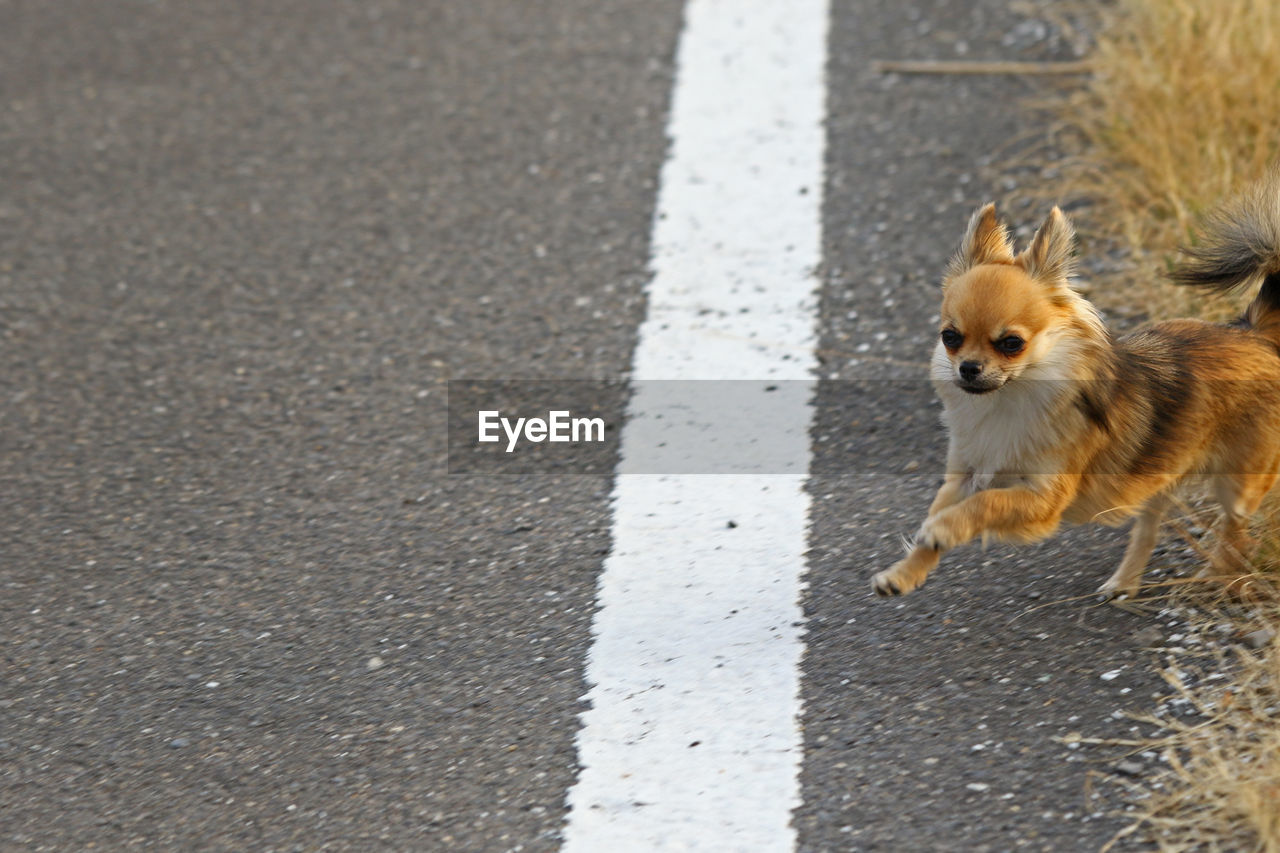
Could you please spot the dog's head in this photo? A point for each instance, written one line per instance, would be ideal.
(1003, 314)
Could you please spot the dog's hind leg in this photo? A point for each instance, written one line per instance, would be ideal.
(1127, 577)
(1240, 496)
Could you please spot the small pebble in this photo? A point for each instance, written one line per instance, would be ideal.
(1149, 636)
(1259, 638)
(373, 663)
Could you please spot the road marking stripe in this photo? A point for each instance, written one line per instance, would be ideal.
(691, 740)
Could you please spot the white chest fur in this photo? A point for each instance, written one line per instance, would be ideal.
(1009, 433)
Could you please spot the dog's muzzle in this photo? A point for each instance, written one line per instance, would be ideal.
(979, 385)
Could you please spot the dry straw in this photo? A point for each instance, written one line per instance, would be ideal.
(1219, 789)
(1181, 112)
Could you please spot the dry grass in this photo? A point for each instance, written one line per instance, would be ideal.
(1183, 112)
(1180, 113)
(1220, 788)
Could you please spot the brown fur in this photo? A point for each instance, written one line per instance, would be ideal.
(1051, 420)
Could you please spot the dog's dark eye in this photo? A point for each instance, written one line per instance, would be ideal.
(951, 339)
(1010, 345)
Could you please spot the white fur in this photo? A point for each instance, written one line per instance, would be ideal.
(1009, 431)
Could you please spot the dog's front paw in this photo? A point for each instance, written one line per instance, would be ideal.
(906, 574)
(886, 584)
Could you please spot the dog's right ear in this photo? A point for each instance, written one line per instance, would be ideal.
(986, 241)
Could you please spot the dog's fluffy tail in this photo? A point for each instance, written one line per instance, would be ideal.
(1240, 244)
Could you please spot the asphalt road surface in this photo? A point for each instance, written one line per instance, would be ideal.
(243, 602)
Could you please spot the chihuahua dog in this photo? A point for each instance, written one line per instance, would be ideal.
(1051, 419)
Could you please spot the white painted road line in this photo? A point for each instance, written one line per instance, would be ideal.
(692, 740)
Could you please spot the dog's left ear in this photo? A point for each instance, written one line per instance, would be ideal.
(1049, 258)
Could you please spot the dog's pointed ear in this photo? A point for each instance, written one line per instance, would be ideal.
(986, 241)
(1050, 257)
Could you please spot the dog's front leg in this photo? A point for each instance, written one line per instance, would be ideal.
(1016, 513)
(1022, 513)
(911, 571)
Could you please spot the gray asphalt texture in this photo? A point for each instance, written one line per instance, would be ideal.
(243, 247)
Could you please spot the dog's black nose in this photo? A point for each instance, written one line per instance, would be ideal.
(969, 370)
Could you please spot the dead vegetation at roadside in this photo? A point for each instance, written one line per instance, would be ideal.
(1210, 778)
(1181, 111)
(1216, 737)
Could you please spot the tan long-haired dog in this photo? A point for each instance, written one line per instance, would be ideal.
(1051, 419)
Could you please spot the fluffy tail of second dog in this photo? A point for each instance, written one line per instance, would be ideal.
(1240, 244)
